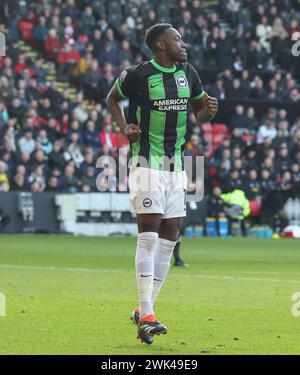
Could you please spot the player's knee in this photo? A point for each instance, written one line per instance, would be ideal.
(147, 240)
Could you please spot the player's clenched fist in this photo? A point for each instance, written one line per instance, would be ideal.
(211, 104)
(132, 132)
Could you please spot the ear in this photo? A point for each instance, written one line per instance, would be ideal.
(160, 45)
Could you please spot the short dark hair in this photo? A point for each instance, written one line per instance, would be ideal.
(154, 31)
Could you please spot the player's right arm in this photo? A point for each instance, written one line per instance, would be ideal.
(123, 88)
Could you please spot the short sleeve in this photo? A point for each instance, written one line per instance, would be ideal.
(127, 83)
(197, 90)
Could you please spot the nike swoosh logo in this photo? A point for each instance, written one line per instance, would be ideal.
(152, 86)
(146, 275)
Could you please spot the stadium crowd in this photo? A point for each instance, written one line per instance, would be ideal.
(49, 142)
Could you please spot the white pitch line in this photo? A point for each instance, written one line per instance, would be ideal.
(97, 270)
(248, 279)
(71, 269)
(269, 272)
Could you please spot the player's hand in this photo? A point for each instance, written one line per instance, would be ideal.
(132, 132)
(211, 104)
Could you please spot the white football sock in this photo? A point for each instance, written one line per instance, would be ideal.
(162, 258)
(144, 265)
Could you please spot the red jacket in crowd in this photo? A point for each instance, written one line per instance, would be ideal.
(65, 57)
(20, 67)
(52, 46)
(112, 137)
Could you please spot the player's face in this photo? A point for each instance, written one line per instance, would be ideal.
(175, 46)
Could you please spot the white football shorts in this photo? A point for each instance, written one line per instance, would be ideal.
(157, 192)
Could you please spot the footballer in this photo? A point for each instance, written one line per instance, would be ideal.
(159, 93)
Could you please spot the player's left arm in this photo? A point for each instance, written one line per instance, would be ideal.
(205, 108)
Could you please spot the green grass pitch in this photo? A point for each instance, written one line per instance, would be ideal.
(74, 295)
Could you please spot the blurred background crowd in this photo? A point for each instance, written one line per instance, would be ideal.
(50, 140)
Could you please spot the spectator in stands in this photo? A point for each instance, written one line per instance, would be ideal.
(295, 127)
(257, 58)
(107, 80)
(43, 142)
(294, 95)
(69, 8)
(40, 32)
(238, 119)
(235, 91)
(56, 157)
(89, 180)
(74, 150)
(22, 67)
(251, 159)
(4, 181)
(70, 181)
(67, 58)
(52, 45)
(266, 131)
(89, 160)
(283, 161)
(252, 186)
(87, 22)
(80, 113)
(234, 181)
(92, 81)
(5, 92)
(51, 128)
(46, 109)
(16, 110)
(107, 137)
(257, 88)
(295, 170)
(125, 53)
(223, 50)
(90, 136)
(236, 139)
(74, 128)
(269, 165)
(41, 160)
(26, 142)
(217, 90)
(37, 176)
(52, 185)
(97, 117)
(264, 33)
(19, 182)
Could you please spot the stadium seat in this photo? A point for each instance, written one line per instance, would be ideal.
(220, 129)
(218, 137)
(208, 137)
(207, 127)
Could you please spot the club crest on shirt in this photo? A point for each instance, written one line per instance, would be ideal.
(123, 76)
(181, 81)
(147, 202)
